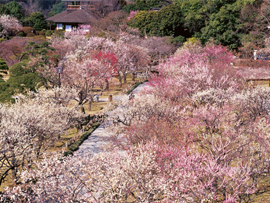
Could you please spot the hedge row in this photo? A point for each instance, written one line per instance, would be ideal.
(75, 146)
(135, 85)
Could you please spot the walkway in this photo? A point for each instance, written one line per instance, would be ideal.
(100, 138)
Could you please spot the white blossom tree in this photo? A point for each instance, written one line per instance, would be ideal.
(9, 23)
(29, 127)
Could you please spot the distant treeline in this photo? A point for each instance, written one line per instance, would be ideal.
(43, 4)
(233, 23)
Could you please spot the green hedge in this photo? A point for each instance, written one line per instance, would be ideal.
(20, 34)
(75, 146)
(134, 86)
(48, 33)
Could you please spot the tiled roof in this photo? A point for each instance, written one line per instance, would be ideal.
(74, 16)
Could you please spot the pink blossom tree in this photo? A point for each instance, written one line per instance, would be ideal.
(83, 74)
(191, 71)
(109, 62)
(194, 135)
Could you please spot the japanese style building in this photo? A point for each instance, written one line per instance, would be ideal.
(79, 13)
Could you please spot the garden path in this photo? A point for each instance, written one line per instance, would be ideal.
(99, 139)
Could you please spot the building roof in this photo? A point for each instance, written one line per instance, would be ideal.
(74, 16)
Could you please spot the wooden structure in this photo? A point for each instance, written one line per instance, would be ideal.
(79, 12)
(79, 4)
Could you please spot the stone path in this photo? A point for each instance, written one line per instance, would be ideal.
(100, 138)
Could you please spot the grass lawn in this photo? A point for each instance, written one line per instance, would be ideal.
(260, 83)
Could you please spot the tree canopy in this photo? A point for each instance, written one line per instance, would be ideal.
(168, 21)
(227, 22)
(36, 20)
(13, 8)
(146, 5)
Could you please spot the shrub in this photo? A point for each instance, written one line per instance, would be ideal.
(39, 37)
(75, 145)
(2, 39)
(41, 33)
(180, 39)
(30, 35)
(20, 34)
(48, 33)
(68, 153)
(101, 34)
(134, 86)
(59, 33)
(28, 30)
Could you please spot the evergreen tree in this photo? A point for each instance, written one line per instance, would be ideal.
(14, 9)
(36, 20)
(3, 67)
(57, 8)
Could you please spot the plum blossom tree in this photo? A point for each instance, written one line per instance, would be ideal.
(84, 75)
(72, 40)
(128, 56)
(196, 142)
(216, 122)
(145, 173)
(102, 178)
(156, 47)
(9, 23)
(109, 62)
(29, 127)
(191, 71)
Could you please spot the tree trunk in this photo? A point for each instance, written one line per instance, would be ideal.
(81, 103)
(82, 109)
(120, 80)
(89, 104)
(13, 174)
(13, 168)
(133, 76)
(125, 78)
(107, 85)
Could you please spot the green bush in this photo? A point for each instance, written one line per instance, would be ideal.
(134, 86)
(180, 39)
(75, 145)
(59, 33)
(68, 153)
(20, 34)
(166, 22)
(48, 33)
(2, 39)
(44, 30)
